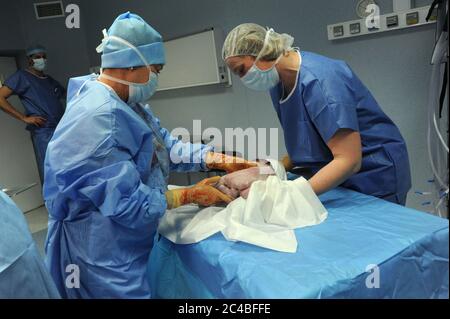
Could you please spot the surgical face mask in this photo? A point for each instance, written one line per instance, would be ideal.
(39, 64)
(261, 80)
(142, 92)
(137, 92)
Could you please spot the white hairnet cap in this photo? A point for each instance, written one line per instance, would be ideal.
(252, 39)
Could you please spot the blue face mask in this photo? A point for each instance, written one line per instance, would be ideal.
(138, 92)
(261, 80)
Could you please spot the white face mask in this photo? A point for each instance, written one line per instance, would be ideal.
(39, 64)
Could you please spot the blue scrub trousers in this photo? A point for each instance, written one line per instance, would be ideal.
(41, 137)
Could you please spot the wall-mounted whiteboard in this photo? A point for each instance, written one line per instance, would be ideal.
(194, 60)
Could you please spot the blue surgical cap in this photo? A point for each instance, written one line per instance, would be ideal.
(139, 33)
(36, 48)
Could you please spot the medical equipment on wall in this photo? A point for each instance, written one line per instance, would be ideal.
(437, 134)
(372, 22)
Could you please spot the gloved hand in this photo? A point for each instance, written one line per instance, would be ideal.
(232, 192)
(242, 180)
(227, 163)
(287, 163)
(203, 193)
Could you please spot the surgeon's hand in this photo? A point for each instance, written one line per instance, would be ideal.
(203, 193)
(227, 163)
(38, 121)
(287, 163)
(243, 179)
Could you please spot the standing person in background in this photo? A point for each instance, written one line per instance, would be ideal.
(41, 97)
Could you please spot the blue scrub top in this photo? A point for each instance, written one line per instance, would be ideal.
(40, 96)
(327, 97)
(105, 189)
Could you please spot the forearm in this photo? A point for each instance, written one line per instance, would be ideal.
(176, 198)
(333, 174)
(8, 108)
(227, 163)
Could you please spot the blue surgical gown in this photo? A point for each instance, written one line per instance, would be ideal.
(40, 96)
(105, 191)
(22, 270)
(327, 97)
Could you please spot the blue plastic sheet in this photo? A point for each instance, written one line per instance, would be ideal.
(410, 249)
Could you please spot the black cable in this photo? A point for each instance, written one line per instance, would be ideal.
(443, 91)
(433, 6)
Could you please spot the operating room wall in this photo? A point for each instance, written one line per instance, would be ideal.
(11, 38)
(67, 55)
(394, 65)
(66, 48)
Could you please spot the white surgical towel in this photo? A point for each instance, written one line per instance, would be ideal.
(273, 209)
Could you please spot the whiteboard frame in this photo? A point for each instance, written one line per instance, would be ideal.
(227, 80)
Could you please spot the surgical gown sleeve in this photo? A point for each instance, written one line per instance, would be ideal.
(106, 173)
(330, 105)
(185, 157)
(17, 83)
(118, 192)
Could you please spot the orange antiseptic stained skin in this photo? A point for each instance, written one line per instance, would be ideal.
(227, 163)
(203, 193)
(206, 195)
(184, 197)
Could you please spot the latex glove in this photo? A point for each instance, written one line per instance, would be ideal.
(243, 179)
(287, 163)
(203, 193)
(227, 163)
